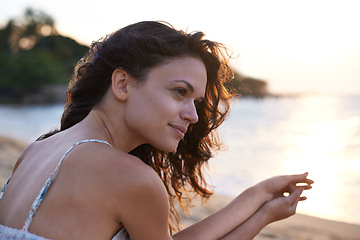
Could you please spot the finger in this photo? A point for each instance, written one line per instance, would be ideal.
(304, 178)
(300, 177)
(306, 183)
(292, 187)
(302, 198)
(294, 197)
(297, 178)
(304, 186)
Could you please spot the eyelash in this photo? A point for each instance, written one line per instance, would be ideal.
(180, 91)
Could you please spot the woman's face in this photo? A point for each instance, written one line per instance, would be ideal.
(162, 107)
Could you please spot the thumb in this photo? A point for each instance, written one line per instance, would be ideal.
(294, 198)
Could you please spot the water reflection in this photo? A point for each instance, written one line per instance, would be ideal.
(322, 135)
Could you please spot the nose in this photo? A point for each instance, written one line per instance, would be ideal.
(189, 113)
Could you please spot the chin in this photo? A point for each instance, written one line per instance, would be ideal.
(169, 147)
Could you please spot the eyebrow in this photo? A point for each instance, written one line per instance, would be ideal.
(187, 84)
(190, 87)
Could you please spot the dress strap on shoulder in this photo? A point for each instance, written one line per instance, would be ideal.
(74, 146)
(3, 190)
(49, 181)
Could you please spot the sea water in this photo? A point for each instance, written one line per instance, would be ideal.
(315, 134)
(266, 137)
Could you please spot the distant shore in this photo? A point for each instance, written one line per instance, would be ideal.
(298, 227)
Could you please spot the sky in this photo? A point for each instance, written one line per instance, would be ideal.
(308, 46)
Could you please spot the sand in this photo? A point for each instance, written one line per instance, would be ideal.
(297, 227)
(10, 150)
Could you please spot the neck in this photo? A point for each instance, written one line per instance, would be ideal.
(98, 124)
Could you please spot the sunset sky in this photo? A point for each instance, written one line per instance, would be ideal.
(296, 46)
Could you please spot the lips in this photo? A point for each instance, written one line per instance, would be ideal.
(180, 130)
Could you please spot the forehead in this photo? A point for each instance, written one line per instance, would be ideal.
(189, 69)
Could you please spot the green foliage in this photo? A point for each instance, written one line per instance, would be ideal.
(28, 71)
(64, 50)
(33, 55)
(5, 36)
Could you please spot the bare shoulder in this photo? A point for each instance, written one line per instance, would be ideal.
(26, 150)
(132, 190)
(143, 201)
(117, 174)
(110, 164)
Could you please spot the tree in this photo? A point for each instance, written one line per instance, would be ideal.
(247, 86)
(23, 33)
(33, 54)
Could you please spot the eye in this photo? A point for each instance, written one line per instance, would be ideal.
(180, 91)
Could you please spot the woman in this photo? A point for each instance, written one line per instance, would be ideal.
(138, 127)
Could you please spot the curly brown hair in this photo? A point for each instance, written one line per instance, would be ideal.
(137, 48)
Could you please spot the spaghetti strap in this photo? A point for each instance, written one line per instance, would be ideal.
(47, 184)
(3, 190)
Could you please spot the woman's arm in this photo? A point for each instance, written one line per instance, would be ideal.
(228, 218)
(145, 211)
(274, 210)
(240, 214)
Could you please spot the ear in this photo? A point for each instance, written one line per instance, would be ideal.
(119, 84)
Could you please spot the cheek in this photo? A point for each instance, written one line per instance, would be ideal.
(149, 111)
(160, 107)
(152, 107)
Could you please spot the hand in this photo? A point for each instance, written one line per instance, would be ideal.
(282, 207)
(277, 208)
(278, 186)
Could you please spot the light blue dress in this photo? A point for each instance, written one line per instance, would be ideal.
(8, 233)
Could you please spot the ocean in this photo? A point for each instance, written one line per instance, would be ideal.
(319, 134)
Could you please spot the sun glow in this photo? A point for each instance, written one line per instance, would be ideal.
(320, 149)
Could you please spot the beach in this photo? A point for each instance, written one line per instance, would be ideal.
(297, 227)
(10, 150)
